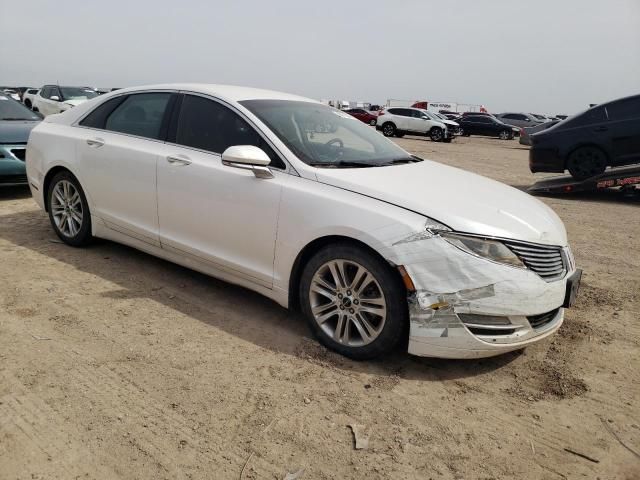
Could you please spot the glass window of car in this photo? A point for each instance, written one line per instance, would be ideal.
(588, 117)
(45, 92)
(322, 136)
(209, 125)
(624, 109)
(98, 117)
(394, 111)
(77, 93)
(140, 114)
(511, 116)
(13, 110)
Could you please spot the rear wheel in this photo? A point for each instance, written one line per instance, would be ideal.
(586, 162)
(436, 134)
(372, 123)
(353, 301)
(69, 210)
(505, 135)
(388, 129)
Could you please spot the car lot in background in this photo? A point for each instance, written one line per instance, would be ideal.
(29, 96)
(400, 121)
(52, 99)
(16, 122)
(519, 119)
(486, 125)
(11, 93)
(586, 144)
(365, 116)
(526, 132)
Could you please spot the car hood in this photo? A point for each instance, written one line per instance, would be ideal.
(464, 201)
(449, 123)
(16, 131)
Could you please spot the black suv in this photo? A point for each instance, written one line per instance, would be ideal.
(585, 144)
(485, 125)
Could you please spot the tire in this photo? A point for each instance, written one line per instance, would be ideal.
(35, 109)
(27, 103)
(68, 210)
(372, 123)
(388, 129)
(586, 162)
(339, 326)
(504, 135)
(436, 134)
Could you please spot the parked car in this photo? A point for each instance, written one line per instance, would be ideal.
(486, 125)
(526, 132)
(366, 239)
(475, 114)
(11, 92)
(29, 96)
(452, 126)
(363, 115)
(586, 144)
(16, 121)
(53, 99)
(519, 119)
(401, 121)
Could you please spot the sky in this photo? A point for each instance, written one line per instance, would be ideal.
(542, 56)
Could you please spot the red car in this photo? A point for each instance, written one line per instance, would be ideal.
(363, 115)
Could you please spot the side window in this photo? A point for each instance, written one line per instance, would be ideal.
(140, 114)
(624, 109)
(208, 125)
(98, 117)
(416, 113)
(393, 111)
(510, 115)
(46, 91)
(482, 120)
(593, 115)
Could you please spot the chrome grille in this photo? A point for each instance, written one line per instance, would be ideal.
(547, 261)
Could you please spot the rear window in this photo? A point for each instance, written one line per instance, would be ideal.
(591, 116)
(98, 117)
(139, 115)
(624, 109)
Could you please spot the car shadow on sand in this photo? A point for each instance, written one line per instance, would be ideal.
(232, 309)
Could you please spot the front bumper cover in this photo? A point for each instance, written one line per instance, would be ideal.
(449, 282)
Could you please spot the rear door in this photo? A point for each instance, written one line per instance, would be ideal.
(624, 126)
(401, 119)
(118, 149)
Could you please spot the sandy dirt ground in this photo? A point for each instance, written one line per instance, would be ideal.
(114, 364)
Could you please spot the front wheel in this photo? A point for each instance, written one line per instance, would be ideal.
(353, 302)
(372, 123)
(388, 129)
(69, 210)
(436, 134)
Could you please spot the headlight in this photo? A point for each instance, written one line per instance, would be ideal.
(490, 249)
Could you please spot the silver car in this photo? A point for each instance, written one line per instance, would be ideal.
(519, 119)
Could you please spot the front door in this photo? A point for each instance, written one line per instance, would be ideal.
(219, 214)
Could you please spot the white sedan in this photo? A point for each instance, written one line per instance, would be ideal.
(310, 207)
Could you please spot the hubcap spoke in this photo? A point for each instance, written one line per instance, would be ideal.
(347, 302)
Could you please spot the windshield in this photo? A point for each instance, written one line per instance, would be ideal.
(75, 93)
(12, 110)
(325, 137)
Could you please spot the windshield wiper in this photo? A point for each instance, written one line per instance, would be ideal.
(345, 163)
(399, 161)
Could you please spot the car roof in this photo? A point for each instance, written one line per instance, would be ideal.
(228, 92)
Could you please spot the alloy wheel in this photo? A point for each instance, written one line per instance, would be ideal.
(347, 302)
(504, 135)
(436, 135)
(388, 130)
(66, 208)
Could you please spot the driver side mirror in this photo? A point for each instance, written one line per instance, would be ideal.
(55, 98)
(248, 157)
(424, 117)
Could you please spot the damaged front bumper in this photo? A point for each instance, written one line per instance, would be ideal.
(465, 306)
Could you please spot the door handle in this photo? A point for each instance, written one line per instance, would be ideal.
(95, 142)
(180, 161)
(600, 129)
